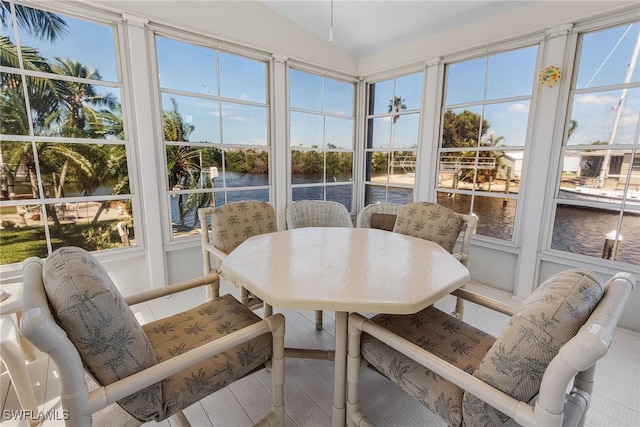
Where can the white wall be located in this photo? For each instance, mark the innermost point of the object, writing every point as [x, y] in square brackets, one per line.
[534, 18]
[248, 23]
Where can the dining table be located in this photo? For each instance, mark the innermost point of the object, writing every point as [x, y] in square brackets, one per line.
[344, 270]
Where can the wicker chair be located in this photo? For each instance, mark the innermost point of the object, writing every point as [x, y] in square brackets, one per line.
[378, 215]
[317, 213]
[439, 224]
[538, 372]
[73, 312]
[232, 224]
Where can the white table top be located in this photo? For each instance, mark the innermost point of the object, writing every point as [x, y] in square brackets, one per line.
[344, 269]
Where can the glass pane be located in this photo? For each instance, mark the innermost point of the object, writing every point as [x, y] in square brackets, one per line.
[21, 233]
[238, 196]
[608, 117]
[76, 170]
[512, 73]
[381, 94]
[92, 225]
[245, 168]
[461, 127]
[242, 78]
[307, 166]
[605, 56]
[18, 178]
[404, 131]
[338, 97]
[191, 167]
[399, 195]
[339, 167]
[190, 119]
[75, 110]
[341, 194]
[244, 124]
[582, 230]
[465, 81]
[457, 169]
[187, 67]
[403, 168]
[378, 165]
[508, 172]
[305, 90]
[506, 124]
[13, 111]
[7, 59]
[630, 237]
[600, 176]
[184, 211]
[409, 89]
[460, 203]
[374, 194]
[91, 45]
[308, 193]
[496, 216]
[306, 130]
[380, 132]
[339, 133]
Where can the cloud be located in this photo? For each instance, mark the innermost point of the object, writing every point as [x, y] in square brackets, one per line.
[597, 100]
[519, 108]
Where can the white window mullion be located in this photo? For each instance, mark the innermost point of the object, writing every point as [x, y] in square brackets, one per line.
[545, 140]
[143, 132]
[427, 163]
[280, 164]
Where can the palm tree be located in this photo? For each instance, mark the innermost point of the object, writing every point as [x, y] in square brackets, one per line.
[39, 23]
[396, 105]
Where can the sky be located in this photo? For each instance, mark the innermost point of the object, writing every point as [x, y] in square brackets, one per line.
[191, 68]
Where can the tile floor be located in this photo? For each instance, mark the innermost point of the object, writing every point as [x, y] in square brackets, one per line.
[309, 383]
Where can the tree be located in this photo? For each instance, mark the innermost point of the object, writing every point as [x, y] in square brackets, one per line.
[39, 23]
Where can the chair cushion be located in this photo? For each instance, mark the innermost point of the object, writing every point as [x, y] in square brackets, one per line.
[111, 343]
[545, 321]
[200, 325]
[234, 223]
[383, 221]
[430, 221]
[442, 335]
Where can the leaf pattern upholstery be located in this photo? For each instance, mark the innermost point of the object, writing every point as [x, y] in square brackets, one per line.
[514, 362]
[441, 334]
[429, 221]
[234, 223]
[111, 343]
[545, 321]
[182, 332]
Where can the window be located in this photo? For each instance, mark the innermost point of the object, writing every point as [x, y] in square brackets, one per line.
[64, 170]
[484, 128]
[597, 204]
[393, 127]
[321, 137]
[215, 119]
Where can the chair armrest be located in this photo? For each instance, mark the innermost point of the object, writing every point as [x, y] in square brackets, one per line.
[485, 301]
[521, 412]
[172, 289]
[216, 252]
[103, 396]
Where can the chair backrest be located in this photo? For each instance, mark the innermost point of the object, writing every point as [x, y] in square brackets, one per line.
[378, 215]
[547, 320]
[317, 213]
[73, 312]
[233, 223]
[437, 223]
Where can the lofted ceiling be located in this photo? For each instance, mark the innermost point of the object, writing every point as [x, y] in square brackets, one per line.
[366, 27]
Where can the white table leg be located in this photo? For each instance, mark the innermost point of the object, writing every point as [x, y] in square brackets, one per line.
[13, 358]
[340, 370]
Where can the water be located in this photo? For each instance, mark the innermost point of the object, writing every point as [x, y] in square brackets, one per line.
[577, 230]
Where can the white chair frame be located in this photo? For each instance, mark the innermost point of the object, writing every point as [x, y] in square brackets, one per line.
[40, 329]
[574, 365]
